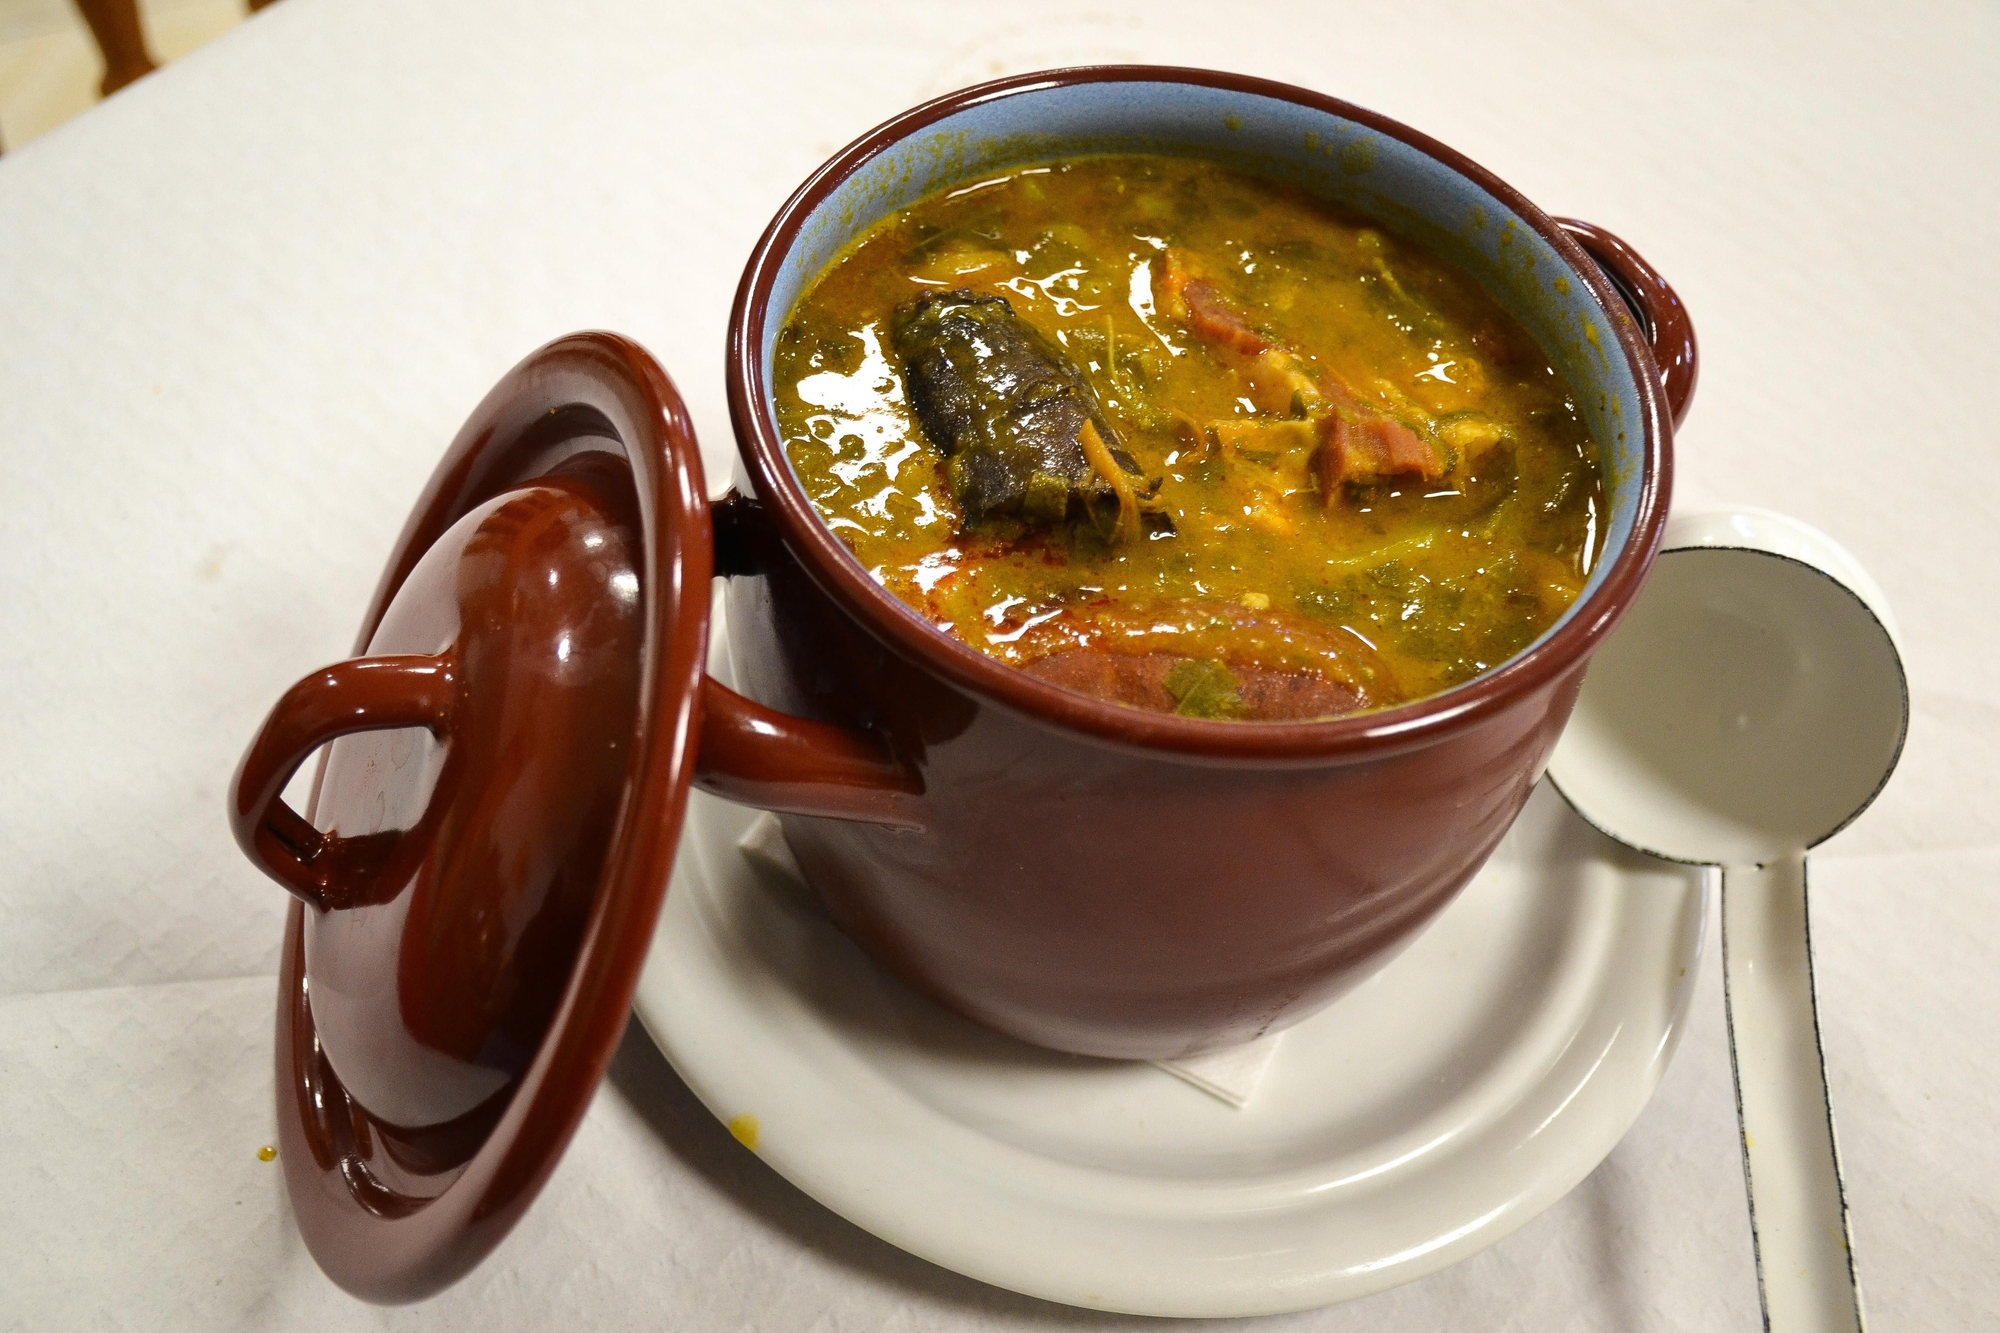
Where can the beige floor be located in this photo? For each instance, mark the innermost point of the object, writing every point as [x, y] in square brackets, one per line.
[49, 66]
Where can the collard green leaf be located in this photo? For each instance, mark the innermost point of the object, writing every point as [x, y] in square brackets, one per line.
[1006, 406]
[1204, 689]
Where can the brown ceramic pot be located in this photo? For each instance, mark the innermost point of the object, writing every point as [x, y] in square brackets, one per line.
[1106, 881]
[475, 904]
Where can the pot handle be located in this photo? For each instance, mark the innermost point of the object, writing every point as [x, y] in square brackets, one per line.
[361, 694]
[760, 757]
[757, 756]
[749, 754]
[1659, 312]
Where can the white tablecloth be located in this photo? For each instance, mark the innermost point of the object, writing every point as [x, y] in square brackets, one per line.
[245, 304]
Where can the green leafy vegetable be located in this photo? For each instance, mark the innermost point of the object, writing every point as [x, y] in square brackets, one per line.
[1204, 689]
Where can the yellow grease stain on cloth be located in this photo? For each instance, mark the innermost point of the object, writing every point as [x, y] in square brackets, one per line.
[744, 1128]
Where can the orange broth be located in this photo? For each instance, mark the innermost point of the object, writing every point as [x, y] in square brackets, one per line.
[1268, 582]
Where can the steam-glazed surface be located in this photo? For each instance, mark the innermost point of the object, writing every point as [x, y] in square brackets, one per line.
[1175, 436]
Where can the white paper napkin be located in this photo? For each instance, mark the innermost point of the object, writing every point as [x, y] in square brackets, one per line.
[1230, 1074]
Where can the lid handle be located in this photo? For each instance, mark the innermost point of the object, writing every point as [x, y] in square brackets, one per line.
[363, 694]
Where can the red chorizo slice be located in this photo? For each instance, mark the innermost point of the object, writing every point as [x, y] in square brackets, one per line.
[1369, 450]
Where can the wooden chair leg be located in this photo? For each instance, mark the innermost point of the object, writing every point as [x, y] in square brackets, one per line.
[115, 24]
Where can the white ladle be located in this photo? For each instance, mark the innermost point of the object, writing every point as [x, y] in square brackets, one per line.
[1752, 704]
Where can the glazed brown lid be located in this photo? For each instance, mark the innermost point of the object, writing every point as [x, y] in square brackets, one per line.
[500, 817]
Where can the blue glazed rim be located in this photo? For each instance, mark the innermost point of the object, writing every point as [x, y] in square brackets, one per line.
[1415, 185]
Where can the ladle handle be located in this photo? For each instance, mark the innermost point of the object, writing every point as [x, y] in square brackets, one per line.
[1798, 1205]
[1662, 317]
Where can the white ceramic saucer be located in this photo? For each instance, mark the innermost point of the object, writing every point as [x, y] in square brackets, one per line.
[1431, 1112]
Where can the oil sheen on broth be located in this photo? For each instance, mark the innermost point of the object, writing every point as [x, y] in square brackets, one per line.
[1189, 440]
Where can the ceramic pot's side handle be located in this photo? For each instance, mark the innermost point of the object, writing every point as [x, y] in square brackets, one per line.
[364, 694]
[745, 542]
[757, 756]
[1661, 315]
